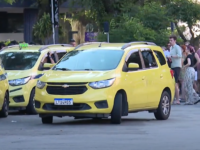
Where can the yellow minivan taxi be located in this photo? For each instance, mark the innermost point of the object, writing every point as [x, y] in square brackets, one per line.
[4, 92]
[24, 65]
[107, 79]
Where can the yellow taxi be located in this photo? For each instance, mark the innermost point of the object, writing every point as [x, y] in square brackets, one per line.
[99, 80]
[24, 65]
[4, 92]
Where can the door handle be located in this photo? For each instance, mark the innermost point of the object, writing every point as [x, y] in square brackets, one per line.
[161, 75]
[143, 78]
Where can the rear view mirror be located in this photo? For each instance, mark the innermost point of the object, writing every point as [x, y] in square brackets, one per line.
[48, 66]
[133, 66]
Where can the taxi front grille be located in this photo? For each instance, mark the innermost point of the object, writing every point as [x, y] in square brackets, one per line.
[71, 90]
[51, 106]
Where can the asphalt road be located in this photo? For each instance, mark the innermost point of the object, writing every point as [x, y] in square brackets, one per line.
[138, 131]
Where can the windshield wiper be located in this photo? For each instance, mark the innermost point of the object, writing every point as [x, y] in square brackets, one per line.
[88, 69]
[63, 69]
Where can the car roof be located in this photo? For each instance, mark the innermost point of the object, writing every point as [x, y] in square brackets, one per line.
[36, 48]
[115, 46]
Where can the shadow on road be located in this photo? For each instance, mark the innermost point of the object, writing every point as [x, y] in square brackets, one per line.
[101, 121]
[18, 113]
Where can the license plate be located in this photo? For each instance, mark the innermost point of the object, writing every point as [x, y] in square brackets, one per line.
[63, 101]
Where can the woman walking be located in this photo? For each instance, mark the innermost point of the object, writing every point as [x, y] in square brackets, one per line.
[182, 73]
[189, 78]
[196, 63]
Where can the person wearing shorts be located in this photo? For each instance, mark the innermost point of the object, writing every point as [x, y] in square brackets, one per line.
[176, 57]
[177, 71]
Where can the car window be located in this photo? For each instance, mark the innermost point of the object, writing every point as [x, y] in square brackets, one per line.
[61, 54]
[19, 60]
[135, 58]
[149, 59]
[160, 57]
[46, 59]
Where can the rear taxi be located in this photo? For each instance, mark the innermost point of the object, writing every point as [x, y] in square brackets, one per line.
[24, 65]
[106, 79]
[4, 92]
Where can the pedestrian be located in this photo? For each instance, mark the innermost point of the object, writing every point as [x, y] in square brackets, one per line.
[196, 62]
[73, 42]
[198, 71]
[189, 78]
[176, 58]
[182, 73]
[167, 55]
[2, 45]
[166, 52]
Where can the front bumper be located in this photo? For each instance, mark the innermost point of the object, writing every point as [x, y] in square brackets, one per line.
[20, 95]
[94, 102]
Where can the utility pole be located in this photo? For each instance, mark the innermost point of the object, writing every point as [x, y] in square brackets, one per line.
[52, 20]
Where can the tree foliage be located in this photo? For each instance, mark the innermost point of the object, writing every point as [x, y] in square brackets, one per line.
[42, 28]
[9, 1]
[188, 12]
[135, 19]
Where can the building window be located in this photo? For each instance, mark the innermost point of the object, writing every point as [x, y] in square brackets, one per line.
[11, 22]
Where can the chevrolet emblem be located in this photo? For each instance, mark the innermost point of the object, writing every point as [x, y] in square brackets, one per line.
[65, 86]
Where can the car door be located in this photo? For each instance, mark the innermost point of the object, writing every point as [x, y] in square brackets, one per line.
[152, 77]
[136, 82]
[164, 72]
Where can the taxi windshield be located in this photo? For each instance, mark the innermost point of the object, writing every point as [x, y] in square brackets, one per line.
[90, 60]
[19, 60]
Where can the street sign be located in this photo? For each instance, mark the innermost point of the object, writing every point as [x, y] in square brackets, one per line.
[106, 30]
[106, 26]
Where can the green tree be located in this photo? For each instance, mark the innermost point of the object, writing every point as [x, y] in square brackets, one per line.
[188, 12]
[9, 1]
[42, 29]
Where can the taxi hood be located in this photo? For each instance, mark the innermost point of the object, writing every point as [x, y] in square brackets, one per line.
[77, 76]
[18, 74]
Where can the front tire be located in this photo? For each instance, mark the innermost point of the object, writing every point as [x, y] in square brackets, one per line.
[164, 108]
[5, 108]
[116, 113]
[47, 120]
[30, 109]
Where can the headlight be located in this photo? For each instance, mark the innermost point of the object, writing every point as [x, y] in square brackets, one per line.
[102, 84]
[18, 82]
[2, 77]
[40, 84]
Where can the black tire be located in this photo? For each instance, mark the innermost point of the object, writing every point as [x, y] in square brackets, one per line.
[5, 108]
[164, 108]
[47, 120]
[116, 113]
[30, 109]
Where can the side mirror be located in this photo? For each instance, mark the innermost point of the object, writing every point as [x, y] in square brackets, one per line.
[47, 66]
[133, 66]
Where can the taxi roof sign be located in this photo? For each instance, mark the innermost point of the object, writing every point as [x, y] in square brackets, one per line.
[23, 45]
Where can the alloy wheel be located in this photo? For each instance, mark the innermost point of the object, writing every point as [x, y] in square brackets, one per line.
[165, 105]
